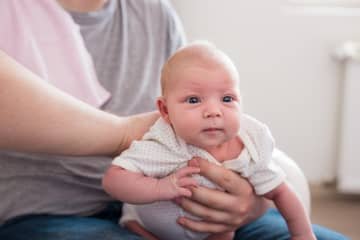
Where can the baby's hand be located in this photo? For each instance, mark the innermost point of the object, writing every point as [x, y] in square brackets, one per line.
[175, 185]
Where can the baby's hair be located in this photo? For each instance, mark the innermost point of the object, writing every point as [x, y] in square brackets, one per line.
[201, 53]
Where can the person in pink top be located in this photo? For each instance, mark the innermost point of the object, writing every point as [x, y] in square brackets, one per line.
[44, 39]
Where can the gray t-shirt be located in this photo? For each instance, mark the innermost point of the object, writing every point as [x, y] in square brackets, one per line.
[129, 41]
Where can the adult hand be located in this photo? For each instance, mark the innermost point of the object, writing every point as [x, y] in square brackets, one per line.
[133, 128]
[221, 211]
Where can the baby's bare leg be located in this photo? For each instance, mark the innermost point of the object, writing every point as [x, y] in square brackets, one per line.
[135, 227]
[221, 236]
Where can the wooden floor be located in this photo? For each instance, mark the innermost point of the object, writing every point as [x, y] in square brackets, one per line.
[339, 212]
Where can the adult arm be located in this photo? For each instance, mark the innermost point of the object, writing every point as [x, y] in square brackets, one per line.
[37, 117]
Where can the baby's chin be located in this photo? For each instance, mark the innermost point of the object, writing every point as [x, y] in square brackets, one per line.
[205, 142]
[209, 144]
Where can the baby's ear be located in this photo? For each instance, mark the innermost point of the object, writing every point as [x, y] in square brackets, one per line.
[161, 105]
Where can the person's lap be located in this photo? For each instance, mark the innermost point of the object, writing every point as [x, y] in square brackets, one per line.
[65, 228]
[272, 226]
[104, 226]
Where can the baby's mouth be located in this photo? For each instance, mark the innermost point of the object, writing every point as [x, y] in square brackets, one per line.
[212, 129]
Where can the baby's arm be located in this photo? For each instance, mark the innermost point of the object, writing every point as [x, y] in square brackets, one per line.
[135, 188]
[293, 211]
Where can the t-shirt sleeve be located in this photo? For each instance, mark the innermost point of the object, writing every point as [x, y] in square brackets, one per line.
[261, 170]
[156, 155]
[176, 37]
[131, 159]
[146, 156]
[266, 176]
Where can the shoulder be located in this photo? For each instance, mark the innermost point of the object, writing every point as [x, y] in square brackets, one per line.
[159, 8]
[161, 133]
[161, 17]
[255, 129]
[257, 138]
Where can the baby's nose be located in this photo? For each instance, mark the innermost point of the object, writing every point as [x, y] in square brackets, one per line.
[213, 112]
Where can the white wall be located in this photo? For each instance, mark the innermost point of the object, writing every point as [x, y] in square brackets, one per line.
[288, 77]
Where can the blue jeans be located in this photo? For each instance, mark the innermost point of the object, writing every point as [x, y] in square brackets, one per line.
[272, 226]
[103, 226]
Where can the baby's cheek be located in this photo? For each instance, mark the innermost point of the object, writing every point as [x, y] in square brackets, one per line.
[185, 131]
[234, 119]
[233, 130]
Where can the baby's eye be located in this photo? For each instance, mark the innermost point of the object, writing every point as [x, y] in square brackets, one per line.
[228, 99]
[193, 100]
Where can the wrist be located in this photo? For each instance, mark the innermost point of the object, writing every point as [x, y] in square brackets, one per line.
[159, 189]
[121, 139]
[166, 188]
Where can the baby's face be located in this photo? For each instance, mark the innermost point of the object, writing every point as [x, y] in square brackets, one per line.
[203, 105]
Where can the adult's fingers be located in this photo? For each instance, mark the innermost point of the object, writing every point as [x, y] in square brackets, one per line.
[225, 178]
[187, 182]
[206, 213]
[214, 198]
[202, 226]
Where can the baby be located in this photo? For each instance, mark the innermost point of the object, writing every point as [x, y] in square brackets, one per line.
[201, 117]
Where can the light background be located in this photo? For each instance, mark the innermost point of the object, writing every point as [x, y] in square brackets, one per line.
[288, 78]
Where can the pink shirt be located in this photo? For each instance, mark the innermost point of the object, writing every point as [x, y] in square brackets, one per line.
[42, 36]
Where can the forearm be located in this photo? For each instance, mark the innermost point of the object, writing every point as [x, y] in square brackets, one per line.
[130, 187]
[37, 117]
[292, 210]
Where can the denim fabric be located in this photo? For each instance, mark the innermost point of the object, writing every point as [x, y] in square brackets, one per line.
[104, 226]
[271, 226]
[101, 226]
